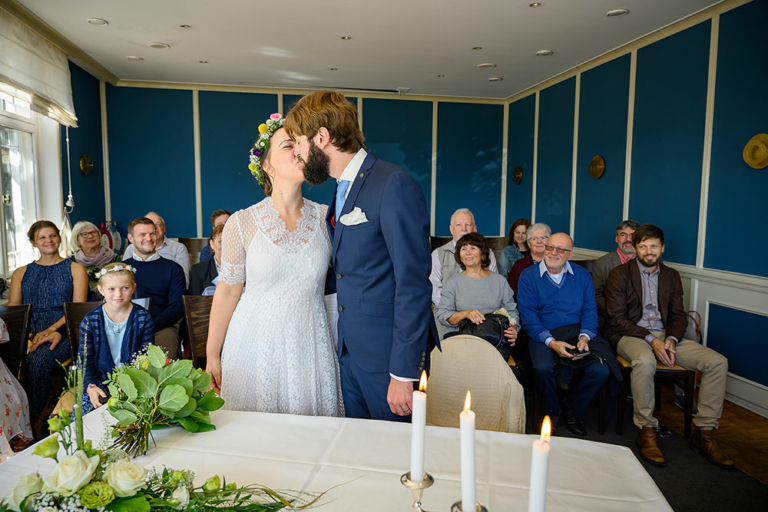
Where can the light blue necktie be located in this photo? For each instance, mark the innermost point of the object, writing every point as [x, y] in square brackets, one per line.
[341, 191]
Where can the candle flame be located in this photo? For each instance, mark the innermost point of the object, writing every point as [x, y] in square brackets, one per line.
[468, 401]
[423, 381]
[546, 430]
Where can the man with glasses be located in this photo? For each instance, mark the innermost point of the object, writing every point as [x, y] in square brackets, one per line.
[608, 262]
[646, 322]
[557, 307]
[167, 248]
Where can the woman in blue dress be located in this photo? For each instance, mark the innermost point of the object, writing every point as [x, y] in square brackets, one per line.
[46, 283]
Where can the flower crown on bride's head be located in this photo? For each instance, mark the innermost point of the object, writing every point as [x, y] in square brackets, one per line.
[260, 147]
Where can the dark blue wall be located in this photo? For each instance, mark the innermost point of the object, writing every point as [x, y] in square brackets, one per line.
[668, 138]
[88, 191]
[739, 336]
[522, 117]
[469, 149]
[229, 124]
[555, 159]
[400, 131]
[737, 193]
[152, 157]
[603, 104]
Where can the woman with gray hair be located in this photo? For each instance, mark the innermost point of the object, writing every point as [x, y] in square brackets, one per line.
[86, 249]
[538, 234]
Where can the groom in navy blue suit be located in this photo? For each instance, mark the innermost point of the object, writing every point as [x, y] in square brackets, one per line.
[379, 228]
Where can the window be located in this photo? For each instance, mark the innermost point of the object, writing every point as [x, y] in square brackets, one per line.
[14, 105]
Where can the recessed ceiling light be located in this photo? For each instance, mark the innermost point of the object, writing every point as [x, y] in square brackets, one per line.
[333, 69]
[185, 26]
[158, 45]
[476, 48]
[135, 57]
[345, 38]
[615, 13]
[486, 65]
[203, 61]
[98, 22]
[535, 4]
[495, 79]
[440, 76]
[544, 53]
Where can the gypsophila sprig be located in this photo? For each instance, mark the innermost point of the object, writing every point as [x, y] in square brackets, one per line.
[260, 147]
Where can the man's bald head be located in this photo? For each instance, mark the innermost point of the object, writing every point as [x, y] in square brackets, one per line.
[558, 251]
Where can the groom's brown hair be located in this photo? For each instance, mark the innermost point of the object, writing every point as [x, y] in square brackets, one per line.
[331, 110]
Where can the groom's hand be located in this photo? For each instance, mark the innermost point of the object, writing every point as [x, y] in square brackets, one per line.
[400, 397]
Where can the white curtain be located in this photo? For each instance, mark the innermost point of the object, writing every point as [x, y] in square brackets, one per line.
[35, 71]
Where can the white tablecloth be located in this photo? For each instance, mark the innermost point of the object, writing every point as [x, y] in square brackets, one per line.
[368, 457]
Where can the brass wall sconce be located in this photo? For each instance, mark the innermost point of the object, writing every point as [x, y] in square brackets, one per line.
[517, 175]
[597, 167]
[755, 153]
[86, 164]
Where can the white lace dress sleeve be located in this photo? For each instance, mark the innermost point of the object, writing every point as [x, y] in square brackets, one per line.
[233, 246]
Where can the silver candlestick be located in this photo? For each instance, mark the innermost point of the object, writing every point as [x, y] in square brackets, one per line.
[417, 488]
[456, 507]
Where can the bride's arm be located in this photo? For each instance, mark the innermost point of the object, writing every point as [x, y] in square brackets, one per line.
[224, 303]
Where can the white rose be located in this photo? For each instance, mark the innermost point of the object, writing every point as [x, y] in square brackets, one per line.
[125, 477]
[26, 485]
[182, 495]
[73, 472]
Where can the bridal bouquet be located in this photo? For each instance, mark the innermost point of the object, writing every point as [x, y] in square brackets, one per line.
[155, 392]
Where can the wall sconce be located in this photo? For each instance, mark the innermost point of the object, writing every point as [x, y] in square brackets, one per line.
[517, 175]
[597, 167]
[756, 151]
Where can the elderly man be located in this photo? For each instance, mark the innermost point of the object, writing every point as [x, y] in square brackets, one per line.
[444, 265]
[168, 249]
[159, 279]
[646, 323]
[608, 262]
[218, 218]
[558, 311]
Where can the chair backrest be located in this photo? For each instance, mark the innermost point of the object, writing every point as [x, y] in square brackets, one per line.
[14, 352]
[74, 312]
[468, 363]
[197, 314]
[145, 302]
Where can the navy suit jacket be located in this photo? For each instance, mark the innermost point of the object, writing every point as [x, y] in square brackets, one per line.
[381, 272]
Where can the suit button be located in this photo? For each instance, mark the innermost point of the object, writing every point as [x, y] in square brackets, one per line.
[361, 175]
[423, 353]
[338, 276]
[341, 308]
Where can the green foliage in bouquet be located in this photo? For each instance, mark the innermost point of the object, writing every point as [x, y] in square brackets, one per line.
[155, 392]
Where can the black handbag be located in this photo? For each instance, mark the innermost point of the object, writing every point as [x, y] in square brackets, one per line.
[491, 330]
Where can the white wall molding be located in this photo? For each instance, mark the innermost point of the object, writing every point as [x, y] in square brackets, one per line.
[105, 151]
[575, 153]
[630, 133]
[504, 170]
[360, 112]
[748, 394]
[535, 157]
[433, 188]
[198, 163]
[280, 105]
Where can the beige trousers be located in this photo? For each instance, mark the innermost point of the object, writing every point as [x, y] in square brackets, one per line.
[168, 340]
[690, 355]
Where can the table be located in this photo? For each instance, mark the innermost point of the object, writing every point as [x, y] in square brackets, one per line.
[368, 457]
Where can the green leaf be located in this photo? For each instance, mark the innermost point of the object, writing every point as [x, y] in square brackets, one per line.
[205, 427]
[212, 404]
[188, 425]
[145, 384]
[126, 384]
[113, 391]
[169, 414]
[136, 503]
[202, 382]
[124, 417]
[200, 416]
[173, 371]
[188, 409]
[156, 356]
[154, 372]
[173, 398]
[209, 395]
[185, 382]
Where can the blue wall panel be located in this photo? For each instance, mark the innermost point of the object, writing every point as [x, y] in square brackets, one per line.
[229, 125]
[522, 116]
[469, 149]
[668, 138]
[152, 157]
[88, 191]
[739, 336]
[602, 131]
[736, 191]
[555, 159]
[400, 131]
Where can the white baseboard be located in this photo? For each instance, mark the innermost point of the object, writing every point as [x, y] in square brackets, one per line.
[747, 394]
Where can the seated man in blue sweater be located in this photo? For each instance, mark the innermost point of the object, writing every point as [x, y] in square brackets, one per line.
[558, 311]
[160, 280]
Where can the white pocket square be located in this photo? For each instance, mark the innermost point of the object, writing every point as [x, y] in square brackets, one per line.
[353, 218]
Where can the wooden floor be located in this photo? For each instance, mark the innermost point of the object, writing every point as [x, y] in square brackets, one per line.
[743, 435]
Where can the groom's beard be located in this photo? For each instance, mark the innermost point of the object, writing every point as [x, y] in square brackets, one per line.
[317, 166]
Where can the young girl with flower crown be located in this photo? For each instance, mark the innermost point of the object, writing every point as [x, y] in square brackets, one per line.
[113, 333]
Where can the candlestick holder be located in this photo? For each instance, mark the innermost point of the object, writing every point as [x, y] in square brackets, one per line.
[417, 488]
[456, 507]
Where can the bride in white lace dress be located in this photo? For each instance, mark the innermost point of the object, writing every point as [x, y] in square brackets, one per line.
[270, 350]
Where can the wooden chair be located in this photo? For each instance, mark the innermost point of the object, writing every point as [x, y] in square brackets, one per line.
[662, 372]
[14, 352]
[74, 312]
[197, 313]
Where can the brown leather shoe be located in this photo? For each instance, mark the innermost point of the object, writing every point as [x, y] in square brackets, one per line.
[649, 448]
[703, 442]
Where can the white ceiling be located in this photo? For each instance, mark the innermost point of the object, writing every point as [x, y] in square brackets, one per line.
[395, 43]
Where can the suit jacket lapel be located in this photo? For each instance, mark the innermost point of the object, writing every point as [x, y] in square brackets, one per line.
[329, 220]
[637, 284]
[663, 293]
[354, 190]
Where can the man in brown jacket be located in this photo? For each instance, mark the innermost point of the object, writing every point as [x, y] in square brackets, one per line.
[646, 322]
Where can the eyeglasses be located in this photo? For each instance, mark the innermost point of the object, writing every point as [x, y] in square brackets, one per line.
[89, 234]
[539, 239]
[559, 250]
